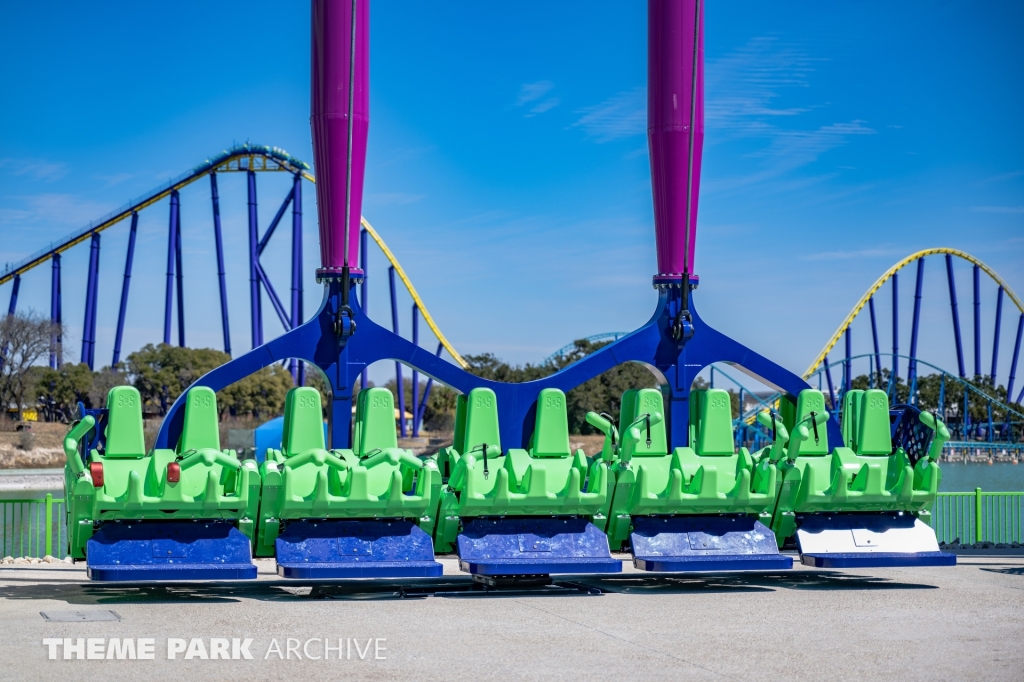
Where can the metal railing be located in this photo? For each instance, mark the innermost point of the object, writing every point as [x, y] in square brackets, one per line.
[33, 528]
[979, 517]
[37, 527]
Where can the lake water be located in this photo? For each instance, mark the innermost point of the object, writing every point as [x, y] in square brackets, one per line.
[1000, 477]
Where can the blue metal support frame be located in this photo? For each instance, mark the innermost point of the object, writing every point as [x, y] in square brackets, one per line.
[956, 316]
[848, 366]
[298, 369]
[56, 342]
[977, 321]
[355, 548]
[342, 360]
[171, 250]
[874, 339]
[705, 543]
[255, 302]
[221, 278]
[273, 223]
[426, 389]
[122, 309]
[399, 383]
[179, 276]
[415, 374]
[995, 335]
[831, 388]
[178, 550]
[895, 330]
[12, 305]
[1016, 356]
[912, 363]
[275, 300]
[91, 301]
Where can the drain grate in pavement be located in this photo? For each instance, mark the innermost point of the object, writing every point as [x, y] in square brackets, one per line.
[78, 616]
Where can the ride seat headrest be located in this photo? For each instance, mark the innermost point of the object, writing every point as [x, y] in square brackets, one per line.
[551, 427]
[303, 421]
[125, 436]
[201, 429]
[874, 436]
[714, 430]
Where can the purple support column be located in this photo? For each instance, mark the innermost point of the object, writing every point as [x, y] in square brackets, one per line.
[956, 315]
[363, 293]
[255, 304]
[912, 363]
[340, 122]
[995, 336]
[298, 369]
[92, 284]
[400, 385]
[179, 275]
[123, 308]
[874, 339]
[1013, 363]
[172, 240]
[221, 279]
[977, 321]
[895, 329]
[56, 352]
[415, 374]
[675, 114]
[675, 126]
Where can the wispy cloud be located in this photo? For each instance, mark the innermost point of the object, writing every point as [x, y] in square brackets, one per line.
[63, 210]
[746, 89]
[619, 116]
[998, 209]
[853, 253]
[1000, 178]
[115, 179]
[537, 93]
[395, 198]
[35, 169]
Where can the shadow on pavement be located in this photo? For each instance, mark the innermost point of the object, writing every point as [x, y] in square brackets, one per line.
[451, 587]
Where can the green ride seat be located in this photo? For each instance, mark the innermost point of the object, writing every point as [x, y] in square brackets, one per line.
[373, 480]
[136, 485]
[710, 477]
[546, 479]
[865, 475]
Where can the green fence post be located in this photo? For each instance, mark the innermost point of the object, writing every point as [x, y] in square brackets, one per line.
[49, 524]
[978, 527]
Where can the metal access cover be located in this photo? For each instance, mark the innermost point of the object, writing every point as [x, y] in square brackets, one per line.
[881, 532]
[78, 616]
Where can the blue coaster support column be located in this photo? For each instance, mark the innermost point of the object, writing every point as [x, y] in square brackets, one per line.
[123, 307]
[956, 316]
[221, 278]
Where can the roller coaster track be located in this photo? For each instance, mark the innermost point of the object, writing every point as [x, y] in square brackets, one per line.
[887, 275]
[242, 158]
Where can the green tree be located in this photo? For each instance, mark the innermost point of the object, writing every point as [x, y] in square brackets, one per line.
[60, 390]
[162, 372]
[260, 395]
[25, 339]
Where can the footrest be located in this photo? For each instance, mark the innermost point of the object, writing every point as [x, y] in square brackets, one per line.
[355, 549]
[534, 546]
[673, 544]
[878, 540]
[169, 550]
[878, 559]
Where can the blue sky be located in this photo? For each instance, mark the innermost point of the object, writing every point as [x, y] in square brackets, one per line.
[508, 168]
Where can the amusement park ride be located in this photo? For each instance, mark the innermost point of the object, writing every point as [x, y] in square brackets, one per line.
[509, 496]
